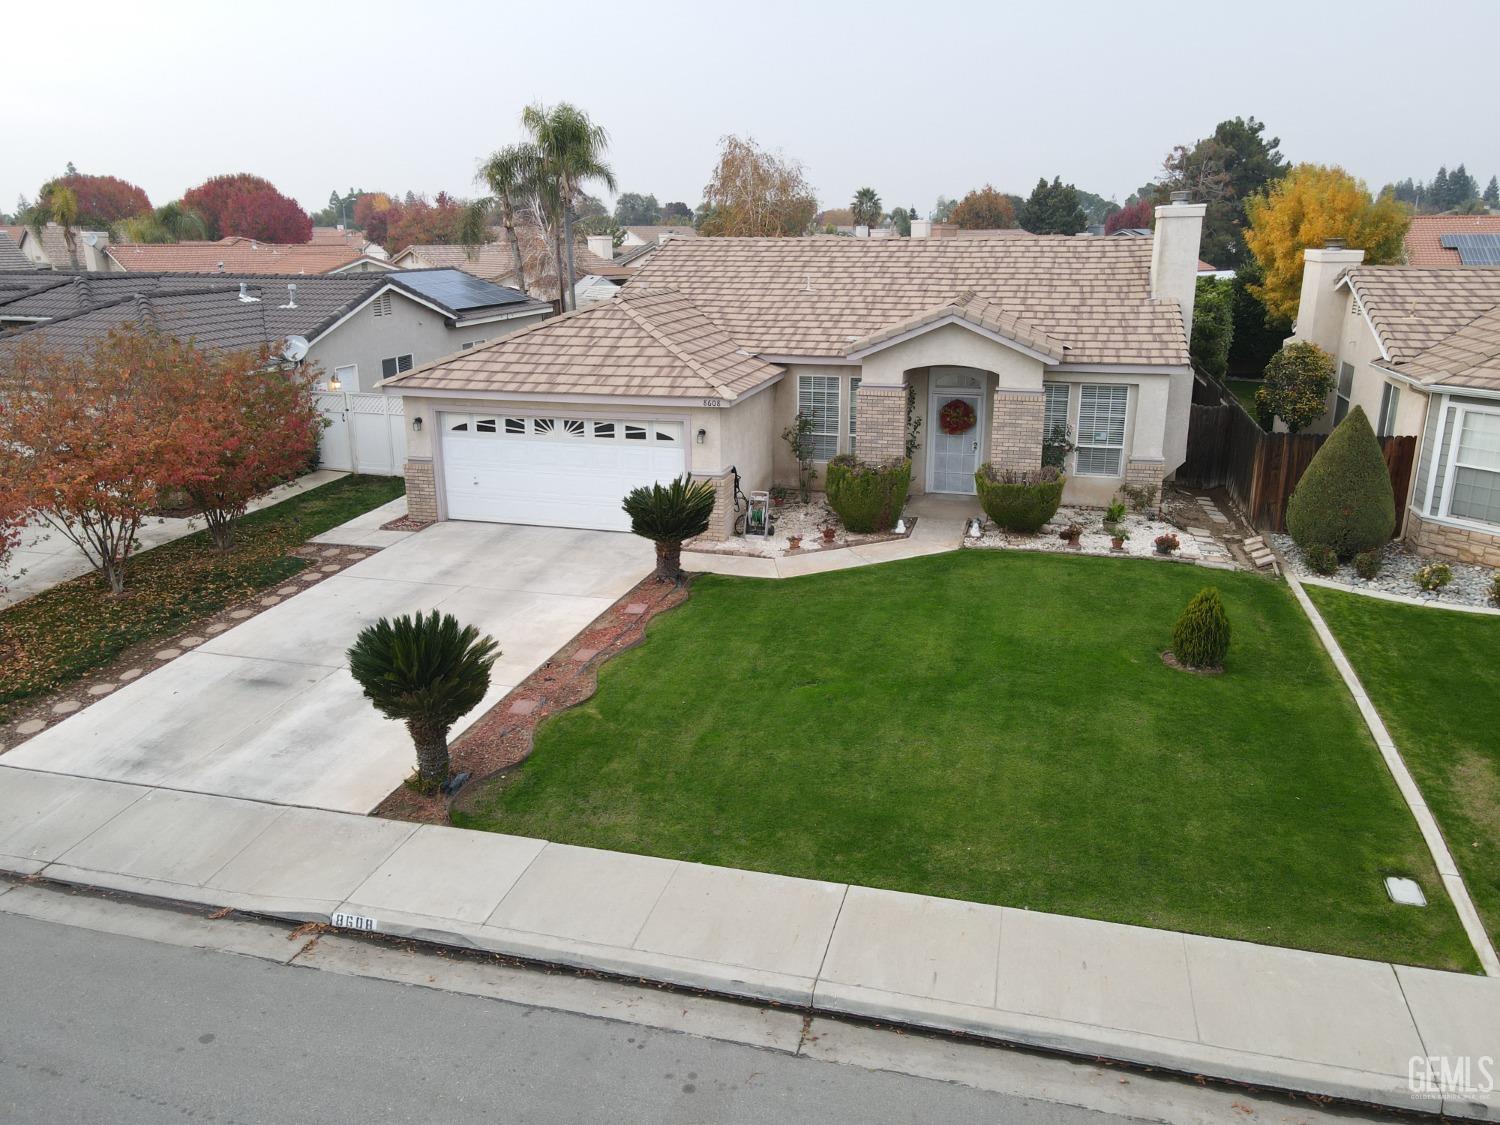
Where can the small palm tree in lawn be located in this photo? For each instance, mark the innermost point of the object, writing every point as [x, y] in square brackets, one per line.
[668, 514]
[427, 671]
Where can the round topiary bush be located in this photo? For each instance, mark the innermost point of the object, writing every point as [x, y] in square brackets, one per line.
[1367, 564]
[867, 497]
[1344, 499]
[1201, 637]
[1322, 559]
[1019, 501]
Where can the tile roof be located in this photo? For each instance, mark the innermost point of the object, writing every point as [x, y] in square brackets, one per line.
[1424, 246]
[1439, 326]
[646, 343]
[237, 255]
[494, 261]
[1469, 357]
[654, 233]
[969, 307]
[215, 318]
[11, 257]
[815, 296]
[54, 243]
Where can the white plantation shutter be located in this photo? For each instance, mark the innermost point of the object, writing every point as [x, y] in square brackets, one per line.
[1056, 412]
[1101, 429]
[818, 398]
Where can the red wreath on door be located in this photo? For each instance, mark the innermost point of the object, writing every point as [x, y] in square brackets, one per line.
[957, 417]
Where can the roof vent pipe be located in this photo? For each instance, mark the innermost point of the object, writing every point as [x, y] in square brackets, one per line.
[291, 295]
[1333, 244]
[1178, 197]
[221, 267]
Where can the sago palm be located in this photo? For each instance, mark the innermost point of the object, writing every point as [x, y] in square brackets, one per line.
[428, 672]
[668, 514]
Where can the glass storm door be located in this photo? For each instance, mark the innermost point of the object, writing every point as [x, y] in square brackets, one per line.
[955, 457]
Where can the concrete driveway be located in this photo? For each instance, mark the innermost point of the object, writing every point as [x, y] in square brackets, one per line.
[268, 711]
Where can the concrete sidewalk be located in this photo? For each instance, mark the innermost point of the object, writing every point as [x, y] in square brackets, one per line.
[1273, 1017]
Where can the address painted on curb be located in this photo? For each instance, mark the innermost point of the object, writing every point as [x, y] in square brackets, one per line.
[355, 922]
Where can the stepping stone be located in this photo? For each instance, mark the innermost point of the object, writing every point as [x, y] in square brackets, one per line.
[309, 576]
[635, 609]
[101, 689]
[269, 602]
[190, 642]
[1198, 531]
[168, 654]
[356, 558]
[241, 614]
[521, 707]
[130, 674]
[66, 707]
[31, 726]
[330, 552]
[584, 655]
[286, 591]
[216, 628]
[331, 568]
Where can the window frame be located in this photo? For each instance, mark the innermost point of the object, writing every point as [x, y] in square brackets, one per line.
[854, 382]
[1343, 392]
[824, 438]
[1079, 442]
[1051, 389]
[396, 360]
[1454, 442]
[1390, 400]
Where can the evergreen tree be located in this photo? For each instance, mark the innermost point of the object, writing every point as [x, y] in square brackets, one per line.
[1491, 195]
[1437, 193]
[1462, 187]
[1053, 209]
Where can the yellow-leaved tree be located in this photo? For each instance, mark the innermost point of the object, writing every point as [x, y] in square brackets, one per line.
[1307, 207]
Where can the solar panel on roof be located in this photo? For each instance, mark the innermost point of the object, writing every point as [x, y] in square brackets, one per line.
[459, 290]
[1474, 249]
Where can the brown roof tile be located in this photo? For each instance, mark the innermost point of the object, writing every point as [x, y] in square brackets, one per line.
[1413, 309]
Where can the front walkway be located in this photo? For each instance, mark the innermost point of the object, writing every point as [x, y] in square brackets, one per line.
[46, 557]
[1232, 1010]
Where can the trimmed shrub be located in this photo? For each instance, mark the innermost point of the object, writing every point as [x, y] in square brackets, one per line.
[1213, 325]
[1296, 385]
[1433, 576]
[1367, 564]
[1019, 501]
[1344, 499]
[1495, 589]
[1201, 637]
[1321, 559]
[867, 497]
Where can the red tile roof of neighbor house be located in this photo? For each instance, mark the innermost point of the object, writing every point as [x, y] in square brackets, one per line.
[1424, 237]
[236, 255]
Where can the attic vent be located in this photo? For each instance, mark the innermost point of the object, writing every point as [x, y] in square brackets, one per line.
[1358, 308]
[382, 305]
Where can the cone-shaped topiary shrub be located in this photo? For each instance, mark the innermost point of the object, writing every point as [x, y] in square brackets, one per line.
[1019, 501]
[867, 497]
[1344, 498]
[1201, 637]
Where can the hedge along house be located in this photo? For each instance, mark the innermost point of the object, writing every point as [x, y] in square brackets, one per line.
[1419, 350]
[716, 344]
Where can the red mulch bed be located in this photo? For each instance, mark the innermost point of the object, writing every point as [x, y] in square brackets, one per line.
[406, 523]
[500, 738]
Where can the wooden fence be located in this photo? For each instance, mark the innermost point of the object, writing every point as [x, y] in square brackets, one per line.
[1227, 448]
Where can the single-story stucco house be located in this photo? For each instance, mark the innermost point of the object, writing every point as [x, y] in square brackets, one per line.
[714, 345]
[1419, 350]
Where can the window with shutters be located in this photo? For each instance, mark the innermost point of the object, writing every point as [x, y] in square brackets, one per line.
[818, 399]
[1100, 450]
[395, 365]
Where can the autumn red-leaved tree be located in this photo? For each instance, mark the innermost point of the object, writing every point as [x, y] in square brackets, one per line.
[420, 223]
[246, 424]
[12, 524]
[85, 437]
[102, 200]
[1140, 215]
[984, 209]
[249, 206]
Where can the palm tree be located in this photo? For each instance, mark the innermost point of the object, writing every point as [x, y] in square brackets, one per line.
[427, 672]
[511, 175]
[571, 151]
[668, 515]
[866, 208]
[58, 204]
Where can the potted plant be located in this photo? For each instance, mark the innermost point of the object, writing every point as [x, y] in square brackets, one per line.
[1072, 534]
[779, 493]
[1114, 513]
[794, 542]
[1117, 537]
[829, 531]
[1166, 543]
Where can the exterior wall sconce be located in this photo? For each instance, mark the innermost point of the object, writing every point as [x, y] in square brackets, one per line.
[701, 435]
[335, 385]
[416, 423]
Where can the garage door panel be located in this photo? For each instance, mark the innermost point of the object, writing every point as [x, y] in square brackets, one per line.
[557, 475]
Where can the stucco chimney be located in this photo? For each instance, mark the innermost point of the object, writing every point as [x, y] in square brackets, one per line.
[602, 246]
[921, 228]
[861, 231]
[1174, 253]
[1320, 309]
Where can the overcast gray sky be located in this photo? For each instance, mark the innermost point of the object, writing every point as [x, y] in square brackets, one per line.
[914, 100]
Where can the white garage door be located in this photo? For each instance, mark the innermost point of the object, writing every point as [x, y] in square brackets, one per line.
[557, 472]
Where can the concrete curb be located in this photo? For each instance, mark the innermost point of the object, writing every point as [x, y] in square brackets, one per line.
[1396, 599]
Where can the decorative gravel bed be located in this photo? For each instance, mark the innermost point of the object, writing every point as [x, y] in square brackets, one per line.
[789, 520]
[1095, 540]
[1471, 585]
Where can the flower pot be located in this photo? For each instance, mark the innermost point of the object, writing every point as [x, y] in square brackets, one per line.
[1117, 544]
[1073, 541]
[794, 542]
[828, 534]
[1164, 550]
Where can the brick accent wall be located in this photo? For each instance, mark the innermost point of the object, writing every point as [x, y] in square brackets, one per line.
[882, 423]
[721, 521]
[1147, 474]
[421, 489]
[1457, 543]
[1016, 422]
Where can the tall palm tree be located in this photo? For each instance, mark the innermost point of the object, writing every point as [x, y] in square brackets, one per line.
[511, 175]
[428, 672]
[58, 204]
[866, 208]
[667, 516]
[571, 151]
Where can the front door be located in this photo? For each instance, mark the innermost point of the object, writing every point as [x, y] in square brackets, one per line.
[953, 445]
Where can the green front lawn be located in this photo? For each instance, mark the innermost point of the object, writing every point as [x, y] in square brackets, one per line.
[68, 631]
[1434, 676]
[998, 728]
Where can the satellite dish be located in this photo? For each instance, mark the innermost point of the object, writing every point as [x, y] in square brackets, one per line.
[295, 349]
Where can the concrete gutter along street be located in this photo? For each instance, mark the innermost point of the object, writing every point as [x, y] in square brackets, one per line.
[1259, 1015]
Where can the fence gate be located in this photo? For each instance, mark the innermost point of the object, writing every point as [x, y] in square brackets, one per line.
[366, 433]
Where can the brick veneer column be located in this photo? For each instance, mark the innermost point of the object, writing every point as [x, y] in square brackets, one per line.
[721, 520]
[881, 415]
[1146, 474]
[421, 489]
[1457, 543]
[1016, 423]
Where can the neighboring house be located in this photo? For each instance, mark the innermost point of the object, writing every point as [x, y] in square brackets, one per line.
[239, 255]
[1453, 240]
[11, 257]
[1419, 350]
[350, 240]
[50, 248]
[359, 328]
[647, 236]
[714, 346]
[495, 261]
